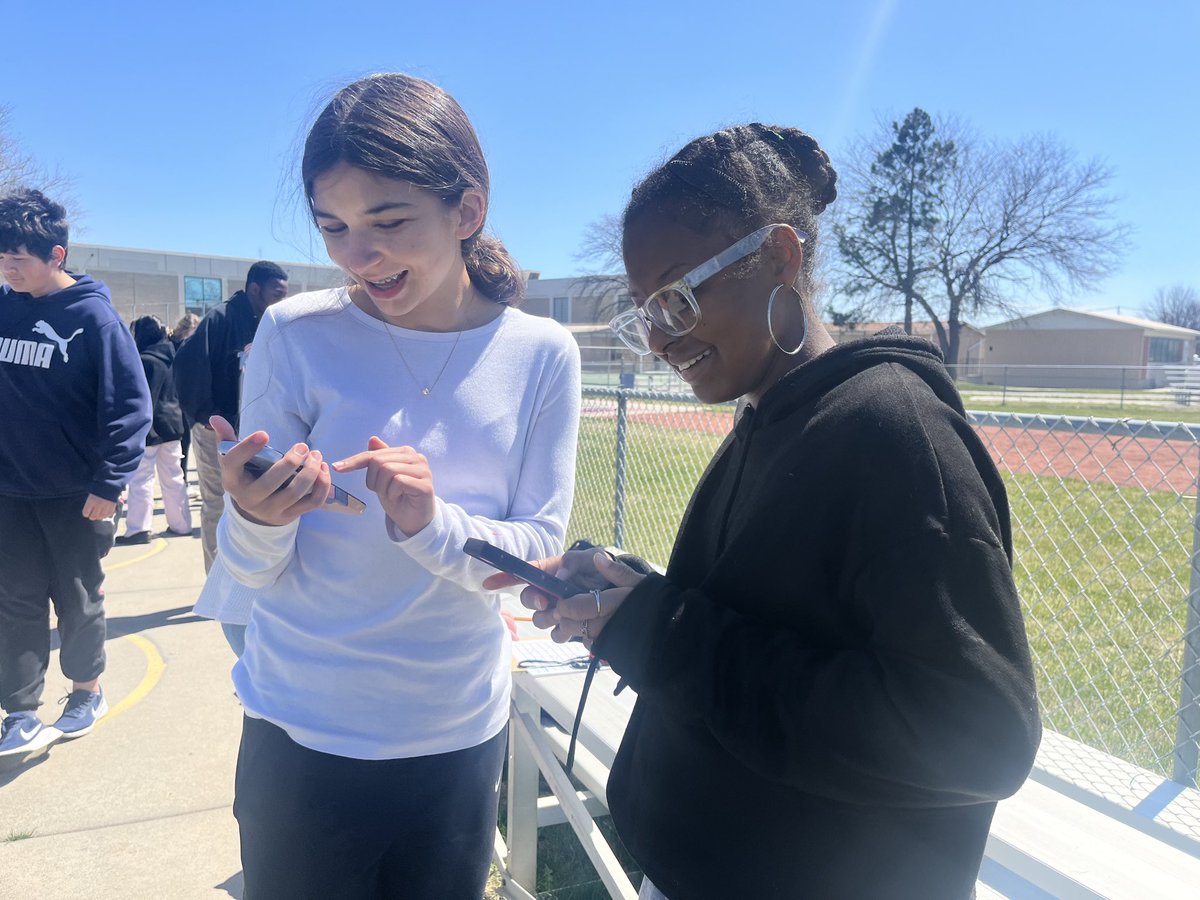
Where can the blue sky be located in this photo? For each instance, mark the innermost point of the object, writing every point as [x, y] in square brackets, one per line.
[180, 123]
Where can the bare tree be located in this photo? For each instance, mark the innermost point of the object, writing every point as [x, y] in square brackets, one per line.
[1178, 304]
[1007, 218]
[880, 234]
[18, 169]
[604, 276]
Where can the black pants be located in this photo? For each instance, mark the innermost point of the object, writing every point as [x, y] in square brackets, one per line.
[317, 826]
[185, 444]
[49, 553]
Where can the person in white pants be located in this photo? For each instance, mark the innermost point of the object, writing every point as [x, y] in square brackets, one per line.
[166, 461]
[164, 450]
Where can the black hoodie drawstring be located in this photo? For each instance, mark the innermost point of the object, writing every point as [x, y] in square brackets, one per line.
[593, 665]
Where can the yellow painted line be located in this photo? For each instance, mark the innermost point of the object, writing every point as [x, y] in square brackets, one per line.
[154, 669]
[159, 545]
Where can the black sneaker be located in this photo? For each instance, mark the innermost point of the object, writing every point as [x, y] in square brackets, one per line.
[138, 537]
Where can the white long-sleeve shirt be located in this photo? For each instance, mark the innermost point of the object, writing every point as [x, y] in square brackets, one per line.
[364, 643]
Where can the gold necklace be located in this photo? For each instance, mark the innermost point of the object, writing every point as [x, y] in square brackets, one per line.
[427, 389]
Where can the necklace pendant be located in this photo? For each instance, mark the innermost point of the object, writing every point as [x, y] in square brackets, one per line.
[425, 392]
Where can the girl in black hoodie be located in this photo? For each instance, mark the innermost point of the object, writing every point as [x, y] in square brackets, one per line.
[834, 683]
[164, 452]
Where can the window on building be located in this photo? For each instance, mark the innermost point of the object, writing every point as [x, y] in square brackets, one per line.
[199, 294]
[1166, 350]
[560, 309]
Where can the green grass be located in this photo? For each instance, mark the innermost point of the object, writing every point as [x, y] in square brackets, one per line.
[14, 836]
[1102, 403]
[1103, 572]
[563, 870]
[663, 465]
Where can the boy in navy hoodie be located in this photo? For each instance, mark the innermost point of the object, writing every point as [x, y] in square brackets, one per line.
[75, 409]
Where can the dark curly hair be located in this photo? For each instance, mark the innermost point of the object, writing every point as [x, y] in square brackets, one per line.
[30, 219]
[409, 129]
[740, 179]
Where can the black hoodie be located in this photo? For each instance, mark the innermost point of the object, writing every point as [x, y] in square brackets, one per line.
[208, 366]
[834, 683]
[167, 424]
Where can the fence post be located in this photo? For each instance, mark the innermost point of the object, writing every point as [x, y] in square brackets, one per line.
[619, 492]
[1187, 732]
[1004, 390]
[1122, 387]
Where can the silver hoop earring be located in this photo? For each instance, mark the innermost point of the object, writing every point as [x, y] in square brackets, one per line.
[803, 314]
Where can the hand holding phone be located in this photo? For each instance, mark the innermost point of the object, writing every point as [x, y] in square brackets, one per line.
[519, 568]
[339, 500]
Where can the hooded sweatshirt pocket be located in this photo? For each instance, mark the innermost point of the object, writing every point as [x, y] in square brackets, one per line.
[40, 460]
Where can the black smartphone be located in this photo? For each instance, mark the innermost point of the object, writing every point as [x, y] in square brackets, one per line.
[339, 500]
[513, 565]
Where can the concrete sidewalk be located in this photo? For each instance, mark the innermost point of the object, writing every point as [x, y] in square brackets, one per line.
[142, 807]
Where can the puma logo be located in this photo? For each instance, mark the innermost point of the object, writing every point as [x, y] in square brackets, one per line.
[43, 328]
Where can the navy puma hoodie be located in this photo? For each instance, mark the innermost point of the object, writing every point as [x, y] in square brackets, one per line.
[74, 406]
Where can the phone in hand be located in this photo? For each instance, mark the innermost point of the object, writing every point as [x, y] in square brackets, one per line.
[513, 565]
[339, 500]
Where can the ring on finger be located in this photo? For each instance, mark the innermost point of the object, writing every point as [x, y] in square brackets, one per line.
[596, 594]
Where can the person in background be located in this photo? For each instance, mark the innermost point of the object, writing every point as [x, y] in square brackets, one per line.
[163, 450]
[75, 411]
[208, 376]
[376, 674]
[184, 329]
[834, 686]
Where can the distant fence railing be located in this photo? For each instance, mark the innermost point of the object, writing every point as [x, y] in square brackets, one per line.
[1151, 386]
[1096, 377]
[1107, 547]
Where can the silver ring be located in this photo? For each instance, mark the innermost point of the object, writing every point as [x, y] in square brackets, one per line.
[584, 630]
[596, 594]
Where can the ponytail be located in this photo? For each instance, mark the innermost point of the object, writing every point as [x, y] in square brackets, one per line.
[493, 272]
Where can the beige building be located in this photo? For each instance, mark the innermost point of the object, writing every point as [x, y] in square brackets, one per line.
[586, 300]
[585, 304]
[167, 284]
[1071, 347]
[970, 338]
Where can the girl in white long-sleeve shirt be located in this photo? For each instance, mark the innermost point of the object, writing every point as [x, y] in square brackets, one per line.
[375, 679]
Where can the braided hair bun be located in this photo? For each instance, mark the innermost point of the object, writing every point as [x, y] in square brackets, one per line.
[740, 179]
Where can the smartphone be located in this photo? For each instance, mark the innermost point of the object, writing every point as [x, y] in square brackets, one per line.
[513, 565]
[338, 500]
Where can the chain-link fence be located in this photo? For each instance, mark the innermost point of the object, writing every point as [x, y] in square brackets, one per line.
[1106, 535]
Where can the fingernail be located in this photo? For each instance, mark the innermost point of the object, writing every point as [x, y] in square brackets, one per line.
[316, 454]
[301, 448]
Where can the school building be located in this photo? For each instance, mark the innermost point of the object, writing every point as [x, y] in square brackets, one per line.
[168, 284]
[1088, 349]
